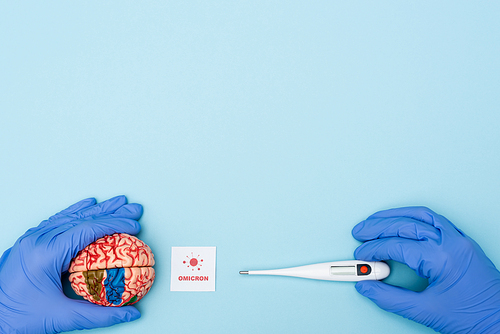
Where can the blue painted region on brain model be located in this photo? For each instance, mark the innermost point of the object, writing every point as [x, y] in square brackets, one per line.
[114, 285]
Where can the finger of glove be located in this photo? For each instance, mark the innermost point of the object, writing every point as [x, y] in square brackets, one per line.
[79, 236]
[420, 213]
[110, 225]
[403, 227]
[4, 257]
[409, 252]
[84, 315]
[107, 207]
[130, 211]
[81, 205]
[393, 299]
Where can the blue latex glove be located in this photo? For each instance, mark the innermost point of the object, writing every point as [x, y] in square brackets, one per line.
[31, 294]
[463, 295]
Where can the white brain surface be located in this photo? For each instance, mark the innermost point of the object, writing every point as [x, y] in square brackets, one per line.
[115, 270]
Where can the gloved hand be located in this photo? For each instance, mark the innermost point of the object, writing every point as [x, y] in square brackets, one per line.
[31, 294]
[463, 295]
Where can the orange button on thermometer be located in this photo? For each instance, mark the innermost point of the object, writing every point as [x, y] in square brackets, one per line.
[347, 271]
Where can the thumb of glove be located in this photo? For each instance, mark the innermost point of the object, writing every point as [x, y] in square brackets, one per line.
[391, 298]
[87, 316]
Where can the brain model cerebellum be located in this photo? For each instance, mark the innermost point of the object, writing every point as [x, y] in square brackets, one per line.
[115, 270]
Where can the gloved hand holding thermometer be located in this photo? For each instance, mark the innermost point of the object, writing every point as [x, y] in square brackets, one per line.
[463, 295]
[31, 296]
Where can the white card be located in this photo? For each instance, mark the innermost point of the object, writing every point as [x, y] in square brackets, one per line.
[193, 269]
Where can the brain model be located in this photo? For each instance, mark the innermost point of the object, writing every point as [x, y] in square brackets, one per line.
[116, 270]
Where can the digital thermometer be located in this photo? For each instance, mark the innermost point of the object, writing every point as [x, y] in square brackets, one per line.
[347, 271]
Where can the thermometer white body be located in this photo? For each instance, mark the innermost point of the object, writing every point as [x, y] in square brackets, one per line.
[347, 271]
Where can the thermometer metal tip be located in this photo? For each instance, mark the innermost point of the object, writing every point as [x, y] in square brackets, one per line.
[243, 272]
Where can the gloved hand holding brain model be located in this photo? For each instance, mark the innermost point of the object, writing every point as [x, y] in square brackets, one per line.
[31, 294]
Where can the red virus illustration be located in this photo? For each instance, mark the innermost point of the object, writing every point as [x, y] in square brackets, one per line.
[193, 262]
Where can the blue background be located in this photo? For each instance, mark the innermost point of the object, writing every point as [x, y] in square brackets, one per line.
[267, 129]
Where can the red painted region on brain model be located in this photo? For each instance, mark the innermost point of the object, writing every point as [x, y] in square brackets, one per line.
[119, 250]
[88, 272]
